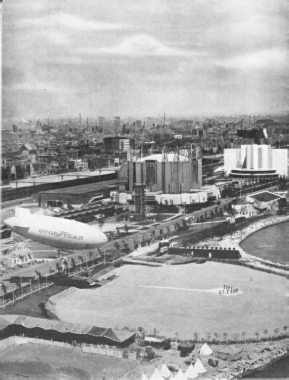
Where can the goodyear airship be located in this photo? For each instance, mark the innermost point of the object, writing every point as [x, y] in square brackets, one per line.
[57, 232]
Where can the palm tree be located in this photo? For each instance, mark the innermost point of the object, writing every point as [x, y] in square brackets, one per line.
[208, 336]
[155, 332]
[225, 335]
[265, 332]
[256, 333]
[196, 336]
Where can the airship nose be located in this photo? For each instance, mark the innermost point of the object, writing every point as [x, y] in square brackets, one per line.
[10, 222]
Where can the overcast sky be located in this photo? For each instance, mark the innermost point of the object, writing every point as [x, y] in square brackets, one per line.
[142, 58]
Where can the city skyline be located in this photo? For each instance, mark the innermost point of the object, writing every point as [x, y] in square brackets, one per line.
[123, 58]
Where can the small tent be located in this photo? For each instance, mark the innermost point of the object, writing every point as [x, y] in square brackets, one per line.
[199, 367]
[180, 375]
[165, 372]
[191, 373]
[156, 375]
[205, 350]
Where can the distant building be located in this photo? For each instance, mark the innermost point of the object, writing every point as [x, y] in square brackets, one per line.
[101, 123]
[116, 123]
[116, 144]
[169, 173]
[258, 161]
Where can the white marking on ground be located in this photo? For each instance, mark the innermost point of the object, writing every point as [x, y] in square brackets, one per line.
[214, 291]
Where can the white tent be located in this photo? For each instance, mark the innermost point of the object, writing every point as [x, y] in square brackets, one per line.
[205, 350]
[156, 375]
[144, 377]
[180, 375]
[199, 366]
[165, 372]
[191, 373]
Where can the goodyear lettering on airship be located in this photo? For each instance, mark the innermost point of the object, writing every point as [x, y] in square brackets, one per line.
[60, 234]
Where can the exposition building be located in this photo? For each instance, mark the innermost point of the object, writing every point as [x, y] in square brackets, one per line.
[177, 172]
[260, 162]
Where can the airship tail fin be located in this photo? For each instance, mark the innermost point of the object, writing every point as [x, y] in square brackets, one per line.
[19, 211]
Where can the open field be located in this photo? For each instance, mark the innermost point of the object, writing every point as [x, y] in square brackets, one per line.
[45, 363]
[176, 299]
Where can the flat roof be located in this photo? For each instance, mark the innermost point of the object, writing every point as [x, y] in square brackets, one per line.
[265, 196]
[82, 189]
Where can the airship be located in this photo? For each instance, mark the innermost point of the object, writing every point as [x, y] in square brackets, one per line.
[57, 232]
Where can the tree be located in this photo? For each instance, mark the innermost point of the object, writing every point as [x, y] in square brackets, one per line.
[73, 264]
[276, 331]
[265, 332]
[58, 266]
[285, 330]
[155, 332]
[217, 336]
[208, 336]
[225, 335]
[235, 337]
[196, 337]
[256, 333]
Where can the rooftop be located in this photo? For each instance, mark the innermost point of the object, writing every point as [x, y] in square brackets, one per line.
[84, 189]
[264, 196]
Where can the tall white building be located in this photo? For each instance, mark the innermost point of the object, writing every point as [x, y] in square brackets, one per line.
[260, 161]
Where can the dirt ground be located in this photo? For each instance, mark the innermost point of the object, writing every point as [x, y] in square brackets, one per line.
[37, 362]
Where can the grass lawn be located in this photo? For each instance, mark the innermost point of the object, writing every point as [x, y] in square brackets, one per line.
[43, 362]
[29, 306]
[181, 304]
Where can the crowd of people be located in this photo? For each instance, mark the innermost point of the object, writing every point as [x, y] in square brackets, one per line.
[228, 289]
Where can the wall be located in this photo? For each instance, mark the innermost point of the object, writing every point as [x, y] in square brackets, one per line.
[215, 252]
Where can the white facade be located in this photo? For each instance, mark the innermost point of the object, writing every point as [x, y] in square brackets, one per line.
[256, 157]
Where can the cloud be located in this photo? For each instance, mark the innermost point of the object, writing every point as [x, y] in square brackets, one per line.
[264, 59]
[77, 23]
[140, 45]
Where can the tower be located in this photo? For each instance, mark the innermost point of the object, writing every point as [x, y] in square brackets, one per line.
[139, 199]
